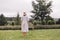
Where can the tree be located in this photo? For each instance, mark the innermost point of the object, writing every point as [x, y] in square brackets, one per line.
[58, 22]
[3, 20]
[18, 19]
[41, 9]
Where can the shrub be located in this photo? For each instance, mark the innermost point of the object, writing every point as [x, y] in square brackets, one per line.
[12, 23]
[35, 22]
[50, 22]
[58, 22]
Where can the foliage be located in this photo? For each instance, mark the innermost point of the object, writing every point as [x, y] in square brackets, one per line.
[3, 20]
[49, 20]
[18, 19]
[41, 9]
[31, 20]
[58, 22]
[12, 24]
[34, 22]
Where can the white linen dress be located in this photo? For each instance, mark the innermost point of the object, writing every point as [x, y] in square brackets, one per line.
[24, 24]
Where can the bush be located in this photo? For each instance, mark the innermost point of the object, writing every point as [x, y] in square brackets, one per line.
[50, 22]
[43, 22]
[35, 22]
[58, 22]
[12, 23]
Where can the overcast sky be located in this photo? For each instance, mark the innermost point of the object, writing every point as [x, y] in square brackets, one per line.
[10, 8]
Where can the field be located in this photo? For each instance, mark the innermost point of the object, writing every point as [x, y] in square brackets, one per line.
[42, 34]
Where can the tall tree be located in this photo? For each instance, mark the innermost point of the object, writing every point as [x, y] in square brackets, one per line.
[3, 20]
[41, 9]
[18, 19]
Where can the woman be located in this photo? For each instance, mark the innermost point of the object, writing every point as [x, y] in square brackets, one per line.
[24, 24]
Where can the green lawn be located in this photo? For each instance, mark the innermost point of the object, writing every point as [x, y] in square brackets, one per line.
[43, 34]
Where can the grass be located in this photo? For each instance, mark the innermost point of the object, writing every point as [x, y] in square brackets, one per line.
[43, 34]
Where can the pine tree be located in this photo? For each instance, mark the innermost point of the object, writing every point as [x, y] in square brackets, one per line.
[18, 19]
[3, 20]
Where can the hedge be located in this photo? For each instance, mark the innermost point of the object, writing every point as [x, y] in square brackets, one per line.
[35, 27]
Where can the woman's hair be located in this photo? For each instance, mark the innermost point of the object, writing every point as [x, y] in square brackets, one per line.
[24, 13]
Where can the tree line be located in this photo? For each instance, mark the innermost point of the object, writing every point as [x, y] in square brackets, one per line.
[41, 10]
[9, 20]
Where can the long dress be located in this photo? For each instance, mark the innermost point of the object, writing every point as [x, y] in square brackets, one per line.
[24, 24]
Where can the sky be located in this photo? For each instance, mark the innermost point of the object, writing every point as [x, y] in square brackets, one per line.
[10, 8]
